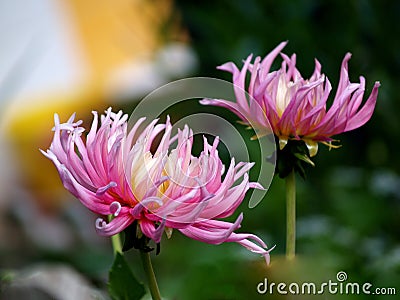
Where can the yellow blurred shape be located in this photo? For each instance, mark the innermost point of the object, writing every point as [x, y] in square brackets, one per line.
[113, 31]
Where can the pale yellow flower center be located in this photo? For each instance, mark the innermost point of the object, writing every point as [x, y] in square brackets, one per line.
[144, 172]
[283, 94]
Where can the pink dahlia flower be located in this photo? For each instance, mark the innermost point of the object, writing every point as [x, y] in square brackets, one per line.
[296, 107]
[119, 172]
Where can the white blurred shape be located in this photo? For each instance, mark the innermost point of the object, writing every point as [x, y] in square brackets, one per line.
[140, 77]
[385, 183]
[51, 282]
[176, 60]
[38, 51]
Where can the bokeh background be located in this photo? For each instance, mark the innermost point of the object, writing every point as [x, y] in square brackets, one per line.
[77, 56]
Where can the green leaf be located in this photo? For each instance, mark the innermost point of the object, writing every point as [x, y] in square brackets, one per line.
[122, 284]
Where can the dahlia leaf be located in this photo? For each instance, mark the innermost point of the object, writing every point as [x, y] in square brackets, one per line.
[122, 283]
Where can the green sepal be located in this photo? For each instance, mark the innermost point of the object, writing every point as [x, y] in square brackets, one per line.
[133, 238]
[129, 237]
[304, 158]
[294, 155]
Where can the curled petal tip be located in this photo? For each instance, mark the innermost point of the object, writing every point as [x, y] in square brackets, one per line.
[102, 190]
[267, 256]
[205, 101]
[100, 223]
[115, 208]
[256, 185]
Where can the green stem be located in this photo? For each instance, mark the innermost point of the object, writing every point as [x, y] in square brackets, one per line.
[115, 240]
[151, 277]
[290, 215]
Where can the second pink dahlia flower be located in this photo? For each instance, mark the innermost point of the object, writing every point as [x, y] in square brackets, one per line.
[126, 174]
[296, 107]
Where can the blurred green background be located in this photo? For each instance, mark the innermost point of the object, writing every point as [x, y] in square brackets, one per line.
[348, 208]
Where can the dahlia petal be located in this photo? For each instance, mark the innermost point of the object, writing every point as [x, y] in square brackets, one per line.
[329, 124]
[159, 231]
[344, 76]
[217, 232]
[149, 229]
[226, 201]
[77, 168]
[102, 190]
[165, 140]
[259, 120]
[154, 188]
[212, 231]
[226, 104]
[239, 85]
[356, 99]
[317, 71]
[93, 130]
[172, 204]
[291, 64]
[242, 168]
[131, 135]
[256, 185]
[256, 248]
[89, 167]
[363, 115]
[136, 211]
[269, 59]
[290, 113]
[239, 81]
[87, 197]
[189, 213]
[115, 226]
[254, 73]
[115, 208]
[229, 67]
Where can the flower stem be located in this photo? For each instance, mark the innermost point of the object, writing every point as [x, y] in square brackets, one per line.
[151, 277]
[115, 240]
[116, 243]
[290, 215]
